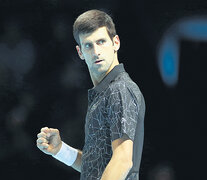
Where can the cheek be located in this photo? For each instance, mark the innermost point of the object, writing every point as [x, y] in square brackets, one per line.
[88, 59]
[86, 55]
[110, 52]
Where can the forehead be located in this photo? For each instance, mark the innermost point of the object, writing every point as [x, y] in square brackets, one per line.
[97, 34]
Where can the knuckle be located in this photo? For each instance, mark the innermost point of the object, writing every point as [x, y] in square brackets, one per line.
[38, 145]
[43, 129]
[38, 135]
[38, 141]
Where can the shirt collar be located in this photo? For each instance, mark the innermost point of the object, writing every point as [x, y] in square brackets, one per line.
[109, 78]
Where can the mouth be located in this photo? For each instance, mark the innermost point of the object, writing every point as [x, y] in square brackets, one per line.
[98, 61]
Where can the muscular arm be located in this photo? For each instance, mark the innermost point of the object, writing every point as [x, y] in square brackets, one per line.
[121, 161]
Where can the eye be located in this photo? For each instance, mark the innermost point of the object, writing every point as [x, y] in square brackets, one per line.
[88, 45]
[102, 41]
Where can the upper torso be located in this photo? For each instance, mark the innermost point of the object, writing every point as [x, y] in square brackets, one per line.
[105, 108]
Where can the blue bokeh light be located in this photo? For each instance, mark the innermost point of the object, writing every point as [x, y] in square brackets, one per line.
[195, 29]
[168, 61]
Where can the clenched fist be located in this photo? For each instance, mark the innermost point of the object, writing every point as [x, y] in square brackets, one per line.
[49, 141]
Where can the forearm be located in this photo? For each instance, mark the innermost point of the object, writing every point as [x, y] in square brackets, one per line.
[116, 170]
[77, 164]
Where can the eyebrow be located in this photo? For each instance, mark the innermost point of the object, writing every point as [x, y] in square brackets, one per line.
[101, 39]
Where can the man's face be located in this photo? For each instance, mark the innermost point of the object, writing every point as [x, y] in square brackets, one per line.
[98, 50]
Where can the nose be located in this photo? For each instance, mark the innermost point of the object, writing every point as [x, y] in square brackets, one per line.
[96, 50]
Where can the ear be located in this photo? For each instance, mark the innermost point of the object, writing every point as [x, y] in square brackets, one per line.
[116, 41]
[79, 52]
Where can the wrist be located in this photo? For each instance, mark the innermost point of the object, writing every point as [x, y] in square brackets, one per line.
[57, 149]
[66, 154]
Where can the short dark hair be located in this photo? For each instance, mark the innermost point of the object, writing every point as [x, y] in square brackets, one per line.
[90, 21]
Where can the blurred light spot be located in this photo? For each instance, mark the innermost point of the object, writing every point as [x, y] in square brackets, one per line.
[194, 28]
[168, 62]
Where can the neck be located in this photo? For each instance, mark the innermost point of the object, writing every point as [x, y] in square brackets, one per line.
[96, 80]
